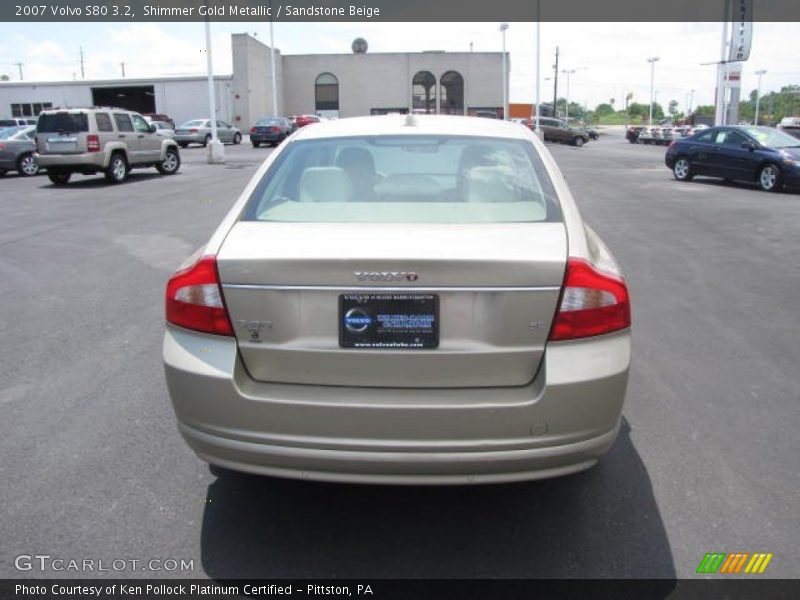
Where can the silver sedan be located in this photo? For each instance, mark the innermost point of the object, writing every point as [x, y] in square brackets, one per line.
[17, 151]
[401, 299]
[198, 131]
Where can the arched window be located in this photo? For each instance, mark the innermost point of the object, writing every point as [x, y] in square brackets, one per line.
[452, 93]
[326, 92]
[423, 92]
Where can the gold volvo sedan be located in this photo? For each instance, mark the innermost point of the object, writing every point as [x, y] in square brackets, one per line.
[401, 300]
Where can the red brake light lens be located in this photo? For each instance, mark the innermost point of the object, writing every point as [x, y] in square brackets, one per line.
[194, 299]
[193, 130]
[92, 143]
[593, 303]
[252, 130]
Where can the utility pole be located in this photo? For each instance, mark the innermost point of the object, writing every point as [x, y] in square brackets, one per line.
[691, 101]
[538, 106]
[83, 75]
[122, 64]
[555, 85]
[20, 65]
[652, 60]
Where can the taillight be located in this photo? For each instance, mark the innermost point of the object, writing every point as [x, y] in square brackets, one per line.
[2, 146]
[194, 299]
[92, 143]
[274, 129]
[672, 143]
[252, 130]
[593, 302]
[193, 130]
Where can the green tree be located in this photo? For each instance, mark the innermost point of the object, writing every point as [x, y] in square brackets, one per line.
[604, 109]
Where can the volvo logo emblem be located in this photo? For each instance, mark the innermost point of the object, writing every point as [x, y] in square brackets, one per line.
[385, 275]
[357, 320]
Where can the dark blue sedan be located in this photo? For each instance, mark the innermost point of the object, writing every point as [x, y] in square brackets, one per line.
[761, 155]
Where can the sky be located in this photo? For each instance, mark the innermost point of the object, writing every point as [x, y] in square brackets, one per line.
[610, 59]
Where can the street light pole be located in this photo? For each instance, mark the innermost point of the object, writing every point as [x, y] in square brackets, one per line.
[503, 28]
[566, 107]
[652, 60]
[216, 151]
[537, 130]
[758, 93]
[272, 67]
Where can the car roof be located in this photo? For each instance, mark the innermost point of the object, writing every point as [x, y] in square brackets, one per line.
[412, 125]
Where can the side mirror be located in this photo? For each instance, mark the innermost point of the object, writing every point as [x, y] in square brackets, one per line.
[153, 128]
[748, 145]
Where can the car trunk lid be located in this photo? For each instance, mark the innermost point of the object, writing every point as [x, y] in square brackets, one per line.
[496, 286]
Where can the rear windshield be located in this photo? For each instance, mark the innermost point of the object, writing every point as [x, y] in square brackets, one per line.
[7, 133]
[195, 123]
[62, 122]
[7, 123]
[406, 179]
[263, 122]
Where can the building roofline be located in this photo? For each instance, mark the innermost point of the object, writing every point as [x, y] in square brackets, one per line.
[421, 53]
[115, 82]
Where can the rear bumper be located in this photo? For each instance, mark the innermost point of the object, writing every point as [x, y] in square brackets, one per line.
[561, 423]
[91, 160]
[195, 138]
[265, 137]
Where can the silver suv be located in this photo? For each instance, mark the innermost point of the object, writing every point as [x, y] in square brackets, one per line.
[94, 140]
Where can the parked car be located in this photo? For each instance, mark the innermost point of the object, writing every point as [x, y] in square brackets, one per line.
[666, 136]
[17, 122]
[485, 114]
[556, 130]
[408, 300]
[303, 120]
[645, 135]
[164, 129]
[17, 151]
[153, 117]
[790, 125]
[633, 132]
[762, 155]
[101, 140]
[198, 131]
[270, 130]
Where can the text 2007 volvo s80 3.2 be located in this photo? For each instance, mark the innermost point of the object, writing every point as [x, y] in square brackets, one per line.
[405, 300]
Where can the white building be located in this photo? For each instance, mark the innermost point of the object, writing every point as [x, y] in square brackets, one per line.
[336, 85]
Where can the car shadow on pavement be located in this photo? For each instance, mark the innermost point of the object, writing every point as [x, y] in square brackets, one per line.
[603, 523]
[100, 181]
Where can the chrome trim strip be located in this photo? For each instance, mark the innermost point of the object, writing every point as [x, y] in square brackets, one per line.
[361, 288]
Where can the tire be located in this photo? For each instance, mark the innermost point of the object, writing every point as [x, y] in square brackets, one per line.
[207, 141]
[2, 172]
[117, 170]
[171, 162]
[237, 139]
[770, 178]
[182, 144]
[59, 177]
[256, 144]
[578, 141]
[682, 169]
[27, 165]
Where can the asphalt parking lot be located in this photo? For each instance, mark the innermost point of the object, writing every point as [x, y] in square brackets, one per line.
[93, 467]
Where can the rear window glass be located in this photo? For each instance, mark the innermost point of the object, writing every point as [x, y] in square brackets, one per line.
[7, 123]
[103, 122]
[62, 122]
[406, 179]
[195, 123]
[263, 122]
[10, 131]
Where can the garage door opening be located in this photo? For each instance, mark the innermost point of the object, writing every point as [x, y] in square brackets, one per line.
[139, 98]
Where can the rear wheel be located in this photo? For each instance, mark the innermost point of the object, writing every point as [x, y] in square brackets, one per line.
[59, 177]
[182, 144]
[237, 138]
[117, 170]
[207, 141]
[27, 165]
[682, 169]
[171, 162]
[769, 178]
[256, 144]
